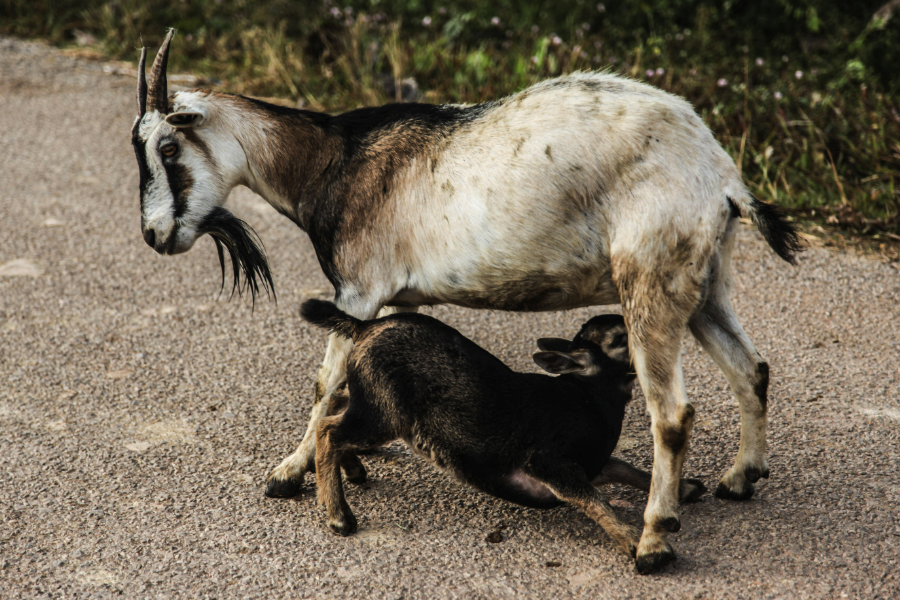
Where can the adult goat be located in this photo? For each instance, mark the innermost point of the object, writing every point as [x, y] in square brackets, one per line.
[585, 190]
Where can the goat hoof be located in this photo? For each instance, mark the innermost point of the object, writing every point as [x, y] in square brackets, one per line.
[744, 493]
[654, 561]
[692, 489]
[283, 488]
[344, 526]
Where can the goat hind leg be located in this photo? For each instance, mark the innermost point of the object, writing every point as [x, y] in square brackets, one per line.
[717, 329]
[656, 309]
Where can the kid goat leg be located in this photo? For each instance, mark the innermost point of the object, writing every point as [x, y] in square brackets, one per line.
[286, 480]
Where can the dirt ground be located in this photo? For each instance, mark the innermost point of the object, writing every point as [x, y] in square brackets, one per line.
[140, 412]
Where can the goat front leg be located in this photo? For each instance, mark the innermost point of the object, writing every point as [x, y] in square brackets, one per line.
[569, 483]
[286, 480]
[620, 471]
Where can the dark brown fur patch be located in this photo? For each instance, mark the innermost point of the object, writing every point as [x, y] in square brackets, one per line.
[761, 387]
[675, 437]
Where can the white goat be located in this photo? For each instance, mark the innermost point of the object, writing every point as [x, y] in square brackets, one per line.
[585, 190]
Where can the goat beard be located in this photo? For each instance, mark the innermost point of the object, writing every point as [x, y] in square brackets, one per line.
[248, 256]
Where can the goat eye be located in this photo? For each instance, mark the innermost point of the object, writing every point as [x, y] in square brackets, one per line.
[169, 150]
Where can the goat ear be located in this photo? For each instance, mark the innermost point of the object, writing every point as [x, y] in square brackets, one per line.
[554, 344]
[559, 363]
[183, 120]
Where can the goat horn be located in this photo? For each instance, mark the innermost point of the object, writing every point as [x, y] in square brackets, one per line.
[158, 92]
[142, 84]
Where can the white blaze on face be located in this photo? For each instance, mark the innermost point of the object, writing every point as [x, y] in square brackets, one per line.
[157, 202]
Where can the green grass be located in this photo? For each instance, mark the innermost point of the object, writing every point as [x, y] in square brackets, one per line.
[802, 93]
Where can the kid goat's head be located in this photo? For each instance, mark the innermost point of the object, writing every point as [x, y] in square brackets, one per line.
[600, 348]
[188, 165]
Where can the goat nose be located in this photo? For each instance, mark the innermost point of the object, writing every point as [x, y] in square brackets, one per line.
[150, 237]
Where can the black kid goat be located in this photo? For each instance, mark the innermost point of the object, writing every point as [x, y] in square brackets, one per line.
[531, 439]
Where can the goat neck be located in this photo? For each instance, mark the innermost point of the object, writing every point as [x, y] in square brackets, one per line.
[288, 154]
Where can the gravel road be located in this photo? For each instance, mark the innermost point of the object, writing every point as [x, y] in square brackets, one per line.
[140, 412]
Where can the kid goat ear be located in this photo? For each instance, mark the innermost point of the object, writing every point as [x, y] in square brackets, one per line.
[554, 344]
[560, 363]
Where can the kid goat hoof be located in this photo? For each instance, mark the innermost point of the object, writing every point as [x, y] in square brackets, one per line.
[691, 490]
[343, 527]
[283, 488]
[649, 563]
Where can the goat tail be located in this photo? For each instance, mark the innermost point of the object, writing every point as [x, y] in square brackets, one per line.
[772, 223]
[326, 315]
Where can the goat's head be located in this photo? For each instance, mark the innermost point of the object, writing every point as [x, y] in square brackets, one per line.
[187, 167]
[601, 347]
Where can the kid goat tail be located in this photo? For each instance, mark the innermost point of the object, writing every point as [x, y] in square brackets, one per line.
[772, 224]
[326, 315]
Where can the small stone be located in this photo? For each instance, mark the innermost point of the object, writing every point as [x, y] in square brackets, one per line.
[20, 267]
[120, 374]
[494, 537]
